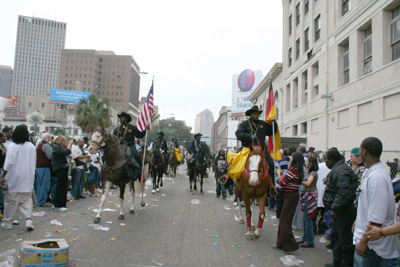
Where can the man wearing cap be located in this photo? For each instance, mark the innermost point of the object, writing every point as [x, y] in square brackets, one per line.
[128, 132]
[31, 137]
[355, 162]
[164, 147]
[255, 130]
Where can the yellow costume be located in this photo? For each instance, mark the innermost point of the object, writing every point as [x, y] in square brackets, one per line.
[236, 168]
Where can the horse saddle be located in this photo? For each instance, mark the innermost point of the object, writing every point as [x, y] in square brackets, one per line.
[133, 167]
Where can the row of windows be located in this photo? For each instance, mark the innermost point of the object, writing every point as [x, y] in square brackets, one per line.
[80, 68]
[42, 22]
[81, 54]
[81, 61]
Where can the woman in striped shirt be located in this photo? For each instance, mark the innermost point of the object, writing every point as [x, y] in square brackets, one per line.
[290, 183]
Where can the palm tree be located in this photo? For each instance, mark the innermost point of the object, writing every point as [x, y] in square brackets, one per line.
[35, 119]
[63, 122]
[93, 112]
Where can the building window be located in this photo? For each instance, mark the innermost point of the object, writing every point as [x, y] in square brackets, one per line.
[294, 130]
[368, 51]
[30, 104]
[304, 128]
[345, 6]
[316, 69]
[288, 98]
[297, 49]
[306, 40]
[290, 24]
[315, 91]
[290, 57]
[42, 105]
[317, 25]
[306, 7]
[298, 14]
[395, 34]
[346, 64]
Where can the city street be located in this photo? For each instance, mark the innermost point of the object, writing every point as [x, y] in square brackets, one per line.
[169, 231]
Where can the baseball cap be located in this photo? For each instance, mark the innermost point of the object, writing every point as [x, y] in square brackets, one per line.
[355, 151]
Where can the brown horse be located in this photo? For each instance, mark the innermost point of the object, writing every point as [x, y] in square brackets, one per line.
[173, 162]
[254, 184]
[157, 166]
[199, 166]
[114, 169]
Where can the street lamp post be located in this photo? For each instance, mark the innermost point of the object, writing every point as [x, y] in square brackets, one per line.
[161, 117]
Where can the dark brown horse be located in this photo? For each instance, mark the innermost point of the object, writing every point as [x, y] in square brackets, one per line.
[172, 162]
[199, 166]
[157, 166]
[254, 184]
[114, 169]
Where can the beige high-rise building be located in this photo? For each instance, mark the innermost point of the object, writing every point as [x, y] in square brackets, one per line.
[101, 72]
[340, 72]
[203, 123]
[6, 74]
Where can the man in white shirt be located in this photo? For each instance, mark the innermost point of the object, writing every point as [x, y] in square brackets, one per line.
[8, 131]
[79, 156]
[19, 176]
[322, 173]
[376, 206]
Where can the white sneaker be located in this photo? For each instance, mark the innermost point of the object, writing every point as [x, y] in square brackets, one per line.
[98, 190]
[6, 225]
[60, 209]
[29, 225]
[86, 192]
[234, 203]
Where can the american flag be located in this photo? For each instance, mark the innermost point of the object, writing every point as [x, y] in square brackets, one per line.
[146, 114]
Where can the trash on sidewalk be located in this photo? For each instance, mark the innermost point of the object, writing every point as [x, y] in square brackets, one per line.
[227, 208]
[43, 252]
[214, 236]
[290, 260]
[195, 201]
[7, 258]
[101, 228]
[39, 214]
[236, 246]
[55, 222]
[16, 222]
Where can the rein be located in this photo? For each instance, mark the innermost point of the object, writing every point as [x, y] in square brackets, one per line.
[262, 174]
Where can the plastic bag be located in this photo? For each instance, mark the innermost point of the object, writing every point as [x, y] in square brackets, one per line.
[101, 228]
[7, 259]
[237, 162]
[39, 214]
[195, 201]
[290, 260]
[55, 222]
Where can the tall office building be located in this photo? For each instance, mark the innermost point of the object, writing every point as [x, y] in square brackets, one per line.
[102, 73]
[203, 123]
[37, 55]
[6, 74]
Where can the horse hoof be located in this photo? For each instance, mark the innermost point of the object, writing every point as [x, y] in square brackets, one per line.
[153, 191]
[157, 190]
[161, 184]
[256, 236]
[201, 193]
[96, 220]
[249, 236]
[131, 211]
[191, 190]
[121, 217]
[253, 228]
[143, 204]
[241, 221]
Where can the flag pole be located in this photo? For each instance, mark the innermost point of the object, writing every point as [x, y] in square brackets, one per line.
[273, 132]
[144, 157]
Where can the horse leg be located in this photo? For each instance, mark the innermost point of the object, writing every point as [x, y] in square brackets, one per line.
[106, 190]
[154, 174]
[158, 182]
[121, 201]
[161, 179]
[261, 204]
[190, 180]
[201, 185]
[239, 197]
[249, 234]
[252, 207]
[132, 187]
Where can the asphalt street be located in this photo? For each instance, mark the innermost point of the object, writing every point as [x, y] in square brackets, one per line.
[168, 231]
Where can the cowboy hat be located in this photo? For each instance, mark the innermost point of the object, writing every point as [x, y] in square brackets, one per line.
[126, 115]
[160, 132]
[198, 134]
[253, 109]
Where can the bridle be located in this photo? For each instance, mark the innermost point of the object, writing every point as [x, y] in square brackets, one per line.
[104, 140]
[263, 173]
[158, 153]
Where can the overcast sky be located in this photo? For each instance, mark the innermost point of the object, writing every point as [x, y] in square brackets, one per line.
[192, 48]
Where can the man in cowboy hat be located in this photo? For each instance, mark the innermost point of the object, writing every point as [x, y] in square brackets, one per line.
[128, 132]
[164, 147]
[255, 130]
[194, 148]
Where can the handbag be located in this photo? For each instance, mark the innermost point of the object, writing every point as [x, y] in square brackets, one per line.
[73, 164]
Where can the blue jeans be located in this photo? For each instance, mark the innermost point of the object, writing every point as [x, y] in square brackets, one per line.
[42, 185]
[78, 184]
[308, 228]
[53, 186]
[220, 188]
[271, 203]
[94, 175]
[372, 259]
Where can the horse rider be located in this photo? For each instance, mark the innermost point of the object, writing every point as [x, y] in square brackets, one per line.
[194, 148]
[255, 130]
[128, 132]
[164, 148]
[174, 143]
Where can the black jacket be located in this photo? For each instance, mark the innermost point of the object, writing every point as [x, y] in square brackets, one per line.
[192, 148]
[129, 134]
[59, 159]
[164, 145]
[243, 133]
[341, 187]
